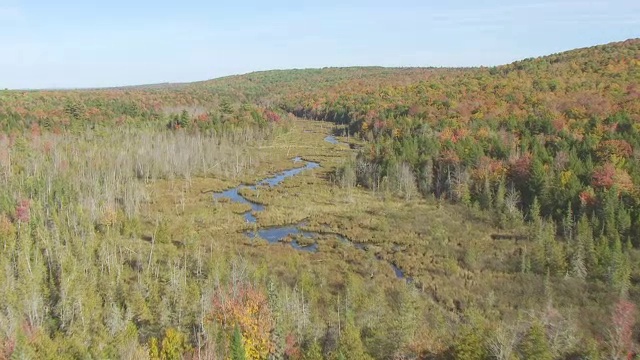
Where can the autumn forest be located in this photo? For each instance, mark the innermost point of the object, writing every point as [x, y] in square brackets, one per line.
[336, 213]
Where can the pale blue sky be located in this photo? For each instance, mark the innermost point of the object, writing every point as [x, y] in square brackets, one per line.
[47, 43]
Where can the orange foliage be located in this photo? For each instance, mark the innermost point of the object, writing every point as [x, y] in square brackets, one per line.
[246, 306]
[489, 169]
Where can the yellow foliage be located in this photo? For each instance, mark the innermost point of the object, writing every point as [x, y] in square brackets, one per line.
[565, 177]
[617, 160]
[248, 308]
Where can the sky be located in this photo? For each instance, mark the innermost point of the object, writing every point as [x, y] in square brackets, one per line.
[70, 44]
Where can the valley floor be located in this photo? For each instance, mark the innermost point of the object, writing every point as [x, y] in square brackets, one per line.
[442, 254]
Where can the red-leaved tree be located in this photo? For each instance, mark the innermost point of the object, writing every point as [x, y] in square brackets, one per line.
[23, 214]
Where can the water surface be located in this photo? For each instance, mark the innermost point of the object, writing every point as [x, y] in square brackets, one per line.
[288, 233]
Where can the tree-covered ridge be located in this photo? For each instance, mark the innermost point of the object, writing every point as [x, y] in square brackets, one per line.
[595, 81]
[561, 128]
[61, 110]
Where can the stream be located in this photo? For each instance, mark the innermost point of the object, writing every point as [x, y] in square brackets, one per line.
[277, 234]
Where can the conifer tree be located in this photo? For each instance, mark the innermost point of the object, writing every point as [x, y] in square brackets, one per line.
[619, 269]
[470, 344]
[578, 252]
[584, 237]
[350, 344]
[237, 347]
[568, 224]
[535, 345]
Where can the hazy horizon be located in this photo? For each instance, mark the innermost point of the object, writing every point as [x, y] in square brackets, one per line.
[70, 44]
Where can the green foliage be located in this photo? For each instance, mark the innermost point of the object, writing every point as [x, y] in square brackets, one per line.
[174, 345]
[162, 234]
[535, 344]
[314, 352]
[350, 344]
[236, 348]
[470, 344]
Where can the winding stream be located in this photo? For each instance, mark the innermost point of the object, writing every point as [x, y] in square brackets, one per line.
[293, 232]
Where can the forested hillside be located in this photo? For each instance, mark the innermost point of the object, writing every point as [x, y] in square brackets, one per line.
[553, 138]
[477, 213]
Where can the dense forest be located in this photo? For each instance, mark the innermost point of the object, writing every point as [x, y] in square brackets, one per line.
[506, 200]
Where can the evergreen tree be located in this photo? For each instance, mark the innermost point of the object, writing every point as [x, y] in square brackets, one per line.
[609, 214]
[568, 223]
[535, 345]
[350, 344]
[548, 253]
[534, 212]
[537, 180]
[535, 225]
[485, 195]
[619, 269]
[578, 261]
[584, 237]
[500, 205]
[578, 253]
[184, 119]
[623, 220]
[237, 347]
[470, 344]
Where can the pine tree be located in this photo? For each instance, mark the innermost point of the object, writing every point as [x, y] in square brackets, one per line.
[548, 253]
[485, 195]
[584, 237]
[470, 344]
[500, 205]
[350, 344]
[237, 347]
[534, 213]
[535, 345]
[578, 253]
[184, 119]
[578, 263]
[568, 223]
[623, 220]
[619, 269]
[537, 180]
